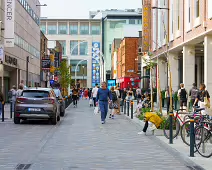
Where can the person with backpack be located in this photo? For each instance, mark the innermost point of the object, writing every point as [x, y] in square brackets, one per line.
[193, 94]
[113, 105]
[183, 95]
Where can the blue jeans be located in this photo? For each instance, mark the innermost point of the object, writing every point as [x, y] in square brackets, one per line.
[104, 109]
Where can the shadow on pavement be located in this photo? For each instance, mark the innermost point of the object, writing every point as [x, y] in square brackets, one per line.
[35, 122]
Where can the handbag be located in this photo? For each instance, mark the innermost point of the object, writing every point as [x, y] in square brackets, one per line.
[96, 110]
[206, 102]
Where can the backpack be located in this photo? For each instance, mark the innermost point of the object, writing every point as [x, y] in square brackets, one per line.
[114, 96]
[10, 94]
[183, 94]
[194, 93]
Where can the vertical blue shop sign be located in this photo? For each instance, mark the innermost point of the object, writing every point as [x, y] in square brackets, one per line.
[95, 63]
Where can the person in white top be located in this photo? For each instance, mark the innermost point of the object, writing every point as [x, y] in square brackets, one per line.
[94, 94]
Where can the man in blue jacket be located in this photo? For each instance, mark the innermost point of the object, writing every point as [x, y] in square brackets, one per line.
[103, 95]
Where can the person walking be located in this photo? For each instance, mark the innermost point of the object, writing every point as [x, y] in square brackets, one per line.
[113, 105]
[94, 94]
[102, 97]
[193, 94]
[1, 100]
[167, 96]
[124, 95]
[117, 102]
[203, 98]
[20, 90]
[183, 95]
[75, 94]
[12, 95]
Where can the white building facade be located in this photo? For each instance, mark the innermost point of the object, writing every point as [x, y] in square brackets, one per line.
[77, 37]
[25, 42]
[189, 33]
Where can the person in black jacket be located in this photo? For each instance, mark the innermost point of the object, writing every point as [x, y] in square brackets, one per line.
[1, 100]
[183, 95]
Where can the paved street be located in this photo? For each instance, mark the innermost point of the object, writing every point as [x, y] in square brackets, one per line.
[79, 141]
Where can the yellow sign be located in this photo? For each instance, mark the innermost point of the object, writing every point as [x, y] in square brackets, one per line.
[52, 58]
[52, 69]
[146, 24]
[115, 71]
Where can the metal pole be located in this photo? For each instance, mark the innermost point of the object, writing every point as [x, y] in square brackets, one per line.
[27, 71]
[2, 118]
[171, 128]
[128, 108]
[192, 136]
[11, 107]
[125, 106]
[131, 109]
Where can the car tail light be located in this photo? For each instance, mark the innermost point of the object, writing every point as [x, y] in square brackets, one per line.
[51, 100]
[21, 100]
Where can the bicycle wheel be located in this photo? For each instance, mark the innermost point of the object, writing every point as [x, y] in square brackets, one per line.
[203, 141]
[185, 132]
[175, 125]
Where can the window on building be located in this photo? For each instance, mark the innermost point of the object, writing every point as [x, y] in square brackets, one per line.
[52, 29]
[114, 24]
[209, 10]
[73, 28]
[63, 44]
[43, 28]
[189, 11]
[178, 14]
[131, 21]
[74, 47]
[95, 28]
[84, 28]
[197, 8]
[62, 28]
[84, 48]
[139, 21]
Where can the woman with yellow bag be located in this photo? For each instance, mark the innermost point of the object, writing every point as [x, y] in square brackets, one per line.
[154, 119]
[203, 98]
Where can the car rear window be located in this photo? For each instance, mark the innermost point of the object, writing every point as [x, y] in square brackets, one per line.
[36, 94]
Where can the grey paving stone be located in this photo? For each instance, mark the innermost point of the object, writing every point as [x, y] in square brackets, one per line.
[81, 142]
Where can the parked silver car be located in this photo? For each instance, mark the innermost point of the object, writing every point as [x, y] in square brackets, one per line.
[37, 103]
[61, 101]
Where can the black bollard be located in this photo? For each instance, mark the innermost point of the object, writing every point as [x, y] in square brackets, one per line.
[2, 118]
[128, 108]
[192, 137]
[131, 109]
[122, 106]
[125, 105]
[171, 128]
[11, 108]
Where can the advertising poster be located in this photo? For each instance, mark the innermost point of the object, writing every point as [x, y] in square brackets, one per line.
[95, 63]
[111, 83]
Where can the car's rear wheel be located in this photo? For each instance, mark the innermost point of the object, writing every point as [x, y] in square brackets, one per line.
[62, 113]
[17, 120]
[58, 118]
[54, 119]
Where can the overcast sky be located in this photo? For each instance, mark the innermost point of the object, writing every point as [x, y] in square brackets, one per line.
[80, 8]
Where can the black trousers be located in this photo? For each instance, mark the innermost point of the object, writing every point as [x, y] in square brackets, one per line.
[94, 101]
[74, 97]
[168, 103]
[145, 126]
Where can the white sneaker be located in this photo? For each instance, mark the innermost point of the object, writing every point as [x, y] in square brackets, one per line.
[141, 133]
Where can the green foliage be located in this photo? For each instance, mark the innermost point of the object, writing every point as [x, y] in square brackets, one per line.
[175, 96]
[65, 76]
[163, 94]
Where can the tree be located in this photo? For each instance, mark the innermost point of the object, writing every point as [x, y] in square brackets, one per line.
[64, 77]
